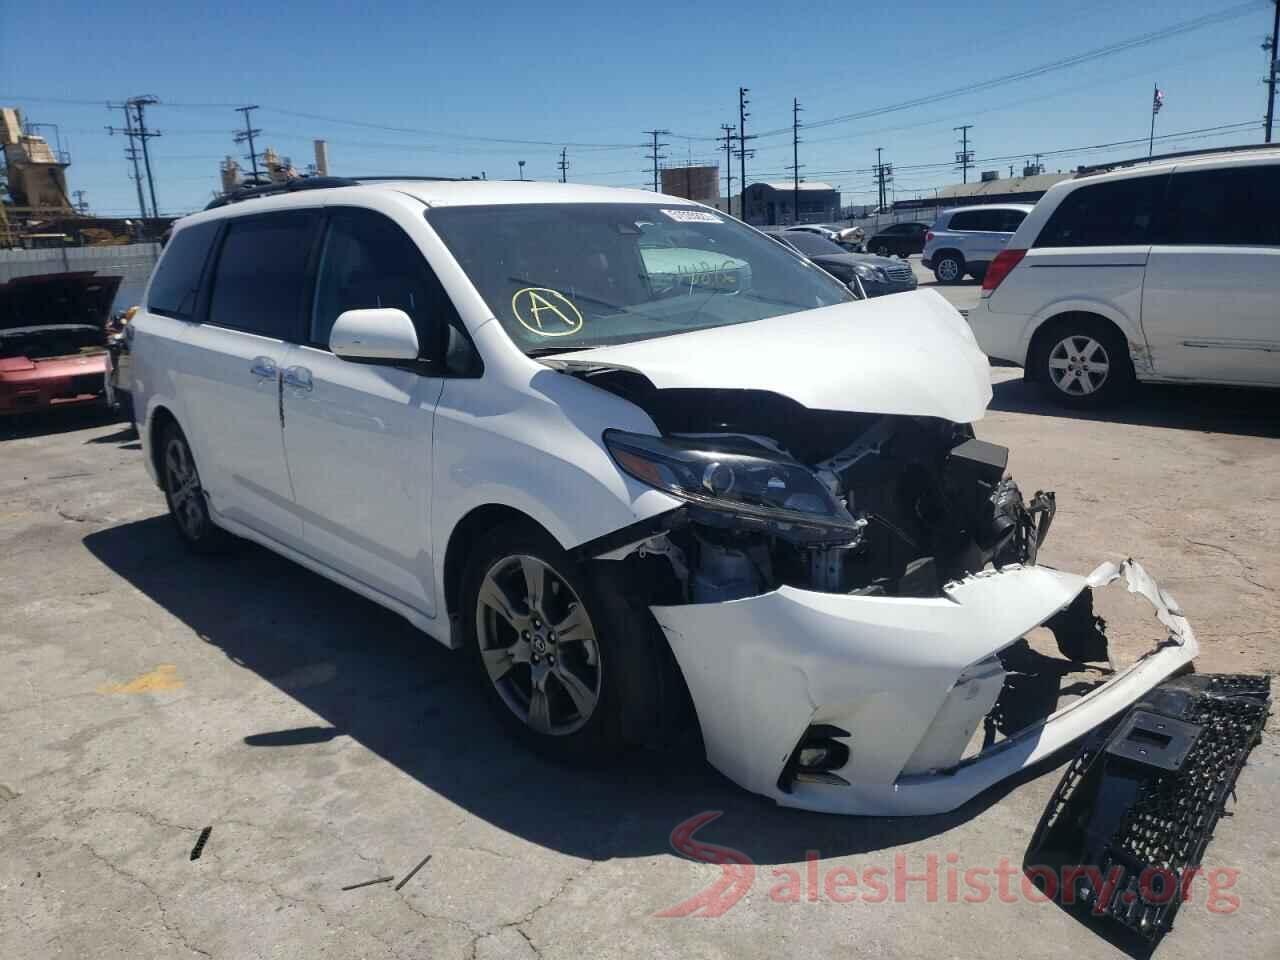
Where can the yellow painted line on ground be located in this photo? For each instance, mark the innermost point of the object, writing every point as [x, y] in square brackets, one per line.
[163, 677]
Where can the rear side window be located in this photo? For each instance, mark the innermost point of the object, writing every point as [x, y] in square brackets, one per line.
[1235, 206]
[177, 280]
[975, 220]
[1105, 214]
[368, 261]
[1008, 221]
[259, 283]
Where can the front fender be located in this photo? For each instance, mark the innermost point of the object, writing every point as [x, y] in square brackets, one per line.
[536, 447]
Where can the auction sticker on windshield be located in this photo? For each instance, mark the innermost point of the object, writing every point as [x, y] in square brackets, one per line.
[692, 216]
[546, 312]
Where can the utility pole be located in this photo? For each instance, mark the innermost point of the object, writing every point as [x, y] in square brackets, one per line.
[728, 129]
[564, 163]
[655, 155]
[131, 151]
[82, 205]
[742, 151]
[795, 158]
[965, 157]
[521, 164]
[884, 177]
[143, 134]
[1273, 48]
[247, 135]
[1156, 102]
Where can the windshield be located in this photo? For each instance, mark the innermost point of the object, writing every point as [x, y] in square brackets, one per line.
[577, 275]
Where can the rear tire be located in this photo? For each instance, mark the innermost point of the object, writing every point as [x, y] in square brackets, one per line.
[1083, 361]
[882, 251]
[188, 505]
[570, 669]
[948, 267]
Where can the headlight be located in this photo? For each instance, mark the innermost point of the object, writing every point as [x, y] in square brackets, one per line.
[868, 272]
[771, 493]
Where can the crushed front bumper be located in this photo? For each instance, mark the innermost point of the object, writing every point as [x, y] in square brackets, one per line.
[909, 680]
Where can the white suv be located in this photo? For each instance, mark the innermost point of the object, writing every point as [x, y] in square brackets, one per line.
[1166, 271]
[967, 239]
[628, 453]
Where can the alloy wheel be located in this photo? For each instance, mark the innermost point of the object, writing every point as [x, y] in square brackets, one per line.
[182, 484]
[1079, 365]
[538, 645]
[948, 270]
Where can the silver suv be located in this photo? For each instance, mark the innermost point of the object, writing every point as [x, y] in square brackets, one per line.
[967, 239]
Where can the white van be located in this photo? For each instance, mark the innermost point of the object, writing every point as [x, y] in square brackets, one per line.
[1164, 272]
[627, 453]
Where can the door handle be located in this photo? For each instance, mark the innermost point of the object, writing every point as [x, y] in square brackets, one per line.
[263, 367]
[297, 377]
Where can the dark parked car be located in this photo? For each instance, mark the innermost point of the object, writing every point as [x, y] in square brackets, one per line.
[903, 239]
[870, 275]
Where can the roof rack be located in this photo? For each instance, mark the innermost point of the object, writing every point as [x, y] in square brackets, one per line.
[310, 183]
[1083, 171]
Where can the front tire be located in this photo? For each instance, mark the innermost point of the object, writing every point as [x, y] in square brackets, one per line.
[188, 507]
[1084, 362]
[563, 663]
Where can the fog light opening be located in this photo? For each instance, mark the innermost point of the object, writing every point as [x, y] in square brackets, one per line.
[816, 758]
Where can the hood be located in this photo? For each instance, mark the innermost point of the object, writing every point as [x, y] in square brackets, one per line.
[57, 299]
[911, 354]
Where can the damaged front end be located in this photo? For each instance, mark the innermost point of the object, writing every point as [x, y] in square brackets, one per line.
[848, 596]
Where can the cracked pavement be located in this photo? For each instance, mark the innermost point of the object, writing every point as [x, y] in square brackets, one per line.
[147, 694]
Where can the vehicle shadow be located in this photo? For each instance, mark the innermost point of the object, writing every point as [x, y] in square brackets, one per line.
[52, 422]
[369, 675]
[1235, 410]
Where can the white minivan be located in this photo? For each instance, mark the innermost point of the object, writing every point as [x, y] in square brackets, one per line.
[1166, 271]
[632, 456]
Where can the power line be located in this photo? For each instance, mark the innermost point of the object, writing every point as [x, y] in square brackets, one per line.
[655, 155]
[1236, 127]
[1063, 63]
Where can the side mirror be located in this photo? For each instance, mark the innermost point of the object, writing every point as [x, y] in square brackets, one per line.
[381, 333]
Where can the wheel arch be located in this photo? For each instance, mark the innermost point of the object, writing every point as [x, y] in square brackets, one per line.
[473, 525]
[158, 422]
[1054, 320]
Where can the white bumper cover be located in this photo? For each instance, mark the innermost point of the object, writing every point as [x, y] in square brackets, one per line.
[905, 676]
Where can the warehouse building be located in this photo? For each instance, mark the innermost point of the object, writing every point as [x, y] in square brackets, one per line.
[773, 204]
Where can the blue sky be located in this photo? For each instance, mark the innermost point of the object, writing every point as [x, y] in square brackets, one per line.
[599, 74]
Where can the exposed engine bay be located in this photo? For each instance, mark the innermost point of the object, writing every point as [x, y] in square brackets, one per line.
[848, 503]
[63, 340]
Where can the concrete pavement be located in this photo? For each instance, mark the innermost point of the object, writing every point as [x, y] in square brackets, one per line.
[147, 694]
